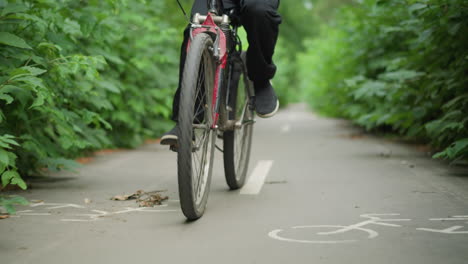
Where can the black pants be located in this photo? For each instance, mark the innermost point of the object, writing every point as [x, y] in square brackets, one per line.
[261, 20]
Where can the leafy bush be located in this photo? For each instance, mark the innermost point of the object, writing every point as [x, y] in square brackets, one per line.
[399, 65]
[76, 76]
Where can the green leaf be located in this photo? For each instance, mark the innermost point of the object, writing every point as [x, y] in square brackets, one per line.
[8, 139]
[18, 72]
[18, 200]
[56, 164]
[9, 208]
[457, 100]
[2, 168]
[7, 176]
[455, 150]
[71, 27]
[13, 40]
[20, 182]
[417, 6]
[355, 80]
[109, 86]
[370, 89]
[4, 157]
[31, 80]
[401, 75]
[22, 95]
[34, 71]
[458, 147]
[6, 98]
[38, 101]
[12, 158]
[14, 8]
[8, 204]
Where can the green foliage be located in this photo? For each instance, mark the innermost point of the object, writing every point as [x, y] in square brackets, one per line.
[398, 65]
[8, 170]
[76, 76]
[300, 20]
[8, 203]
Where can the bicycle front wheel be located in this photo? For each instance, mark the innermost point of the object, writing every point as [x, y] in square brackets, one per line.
[237, 142]
[196, 136]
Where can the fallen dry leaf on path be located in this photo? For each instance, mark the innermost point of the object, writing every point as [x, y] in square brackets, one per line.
[126, 197]
[144, 199]
[151, 200]
[120, 198]
[4, 216]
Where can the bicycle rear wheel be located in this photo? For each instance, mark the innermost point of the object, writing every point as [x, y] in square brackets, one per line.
[237, 142]
[196, 137]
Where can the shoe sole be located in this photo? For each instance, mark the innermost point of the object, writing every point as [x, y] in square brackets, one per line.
[270, 114]
[169, 140]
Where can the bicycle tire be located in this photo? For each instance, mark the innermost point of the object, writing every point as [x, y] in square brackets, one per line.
[237, 142]
[196, 144]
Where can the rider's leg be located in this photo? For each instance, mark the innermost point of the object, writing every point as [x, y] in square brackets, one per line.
[261, 20]
[183, 55]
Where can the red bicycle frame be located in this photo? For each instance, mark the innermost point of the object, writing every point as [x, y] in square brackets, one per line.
[220, 54]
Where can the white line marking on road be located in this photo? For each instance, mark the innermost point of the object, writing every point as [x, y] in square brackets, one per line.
[448, 219]
[75, 220]
[101, 214]
[450, 230]
[275, 235]
[66, 206]
[286, 128]
[257, 178]
[36, 214]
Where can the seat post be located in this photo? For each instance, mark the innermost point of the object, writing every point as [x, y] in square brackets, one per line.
[215, 6]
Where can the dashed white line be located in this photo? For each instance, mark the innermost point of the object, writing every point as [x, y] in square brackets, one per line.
[257, 178]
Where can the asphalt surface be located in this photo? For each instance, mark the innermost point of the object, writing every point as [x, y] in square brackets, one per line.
[331, 194]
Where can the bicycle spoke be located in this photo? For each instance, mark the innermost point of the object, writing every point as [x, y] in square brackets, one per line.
[196, 159]
[200, 93]
[238, 148]
[202, 168]
[201, 133]
[200, 107]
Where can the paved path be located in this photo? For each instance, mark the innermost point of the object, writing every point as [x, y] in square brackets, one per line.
[331, 195]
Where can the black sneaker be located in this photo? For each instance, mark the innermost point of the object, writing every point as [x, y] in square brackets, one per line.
[266, 101]
[171, 137]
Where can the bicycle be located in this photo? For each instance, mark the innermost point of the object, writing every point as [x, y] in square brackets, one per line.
[216, 101]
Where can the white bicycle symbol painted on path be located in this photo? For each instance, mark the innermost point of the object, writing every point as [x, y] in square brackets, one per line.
[80, 213]
[372, 219]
